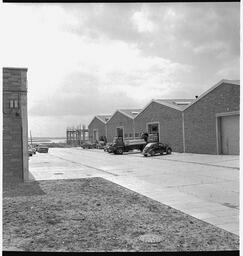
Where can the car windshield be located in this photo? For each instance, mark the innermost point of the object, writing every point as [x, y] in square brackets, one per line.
[149, 145]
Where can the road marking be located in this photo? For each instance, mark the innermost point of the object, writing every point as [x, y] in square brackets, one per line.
[89, 166]
[190, 162]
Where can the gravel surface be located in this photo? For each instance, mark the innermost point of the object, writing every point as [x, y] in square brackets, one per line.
[97, 215]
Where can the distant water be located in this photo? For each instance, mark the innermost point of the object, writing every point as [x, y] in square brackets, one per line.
[48, 139]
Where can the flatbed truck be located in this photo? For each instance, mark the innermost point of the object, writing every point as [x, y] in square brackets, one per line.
[119, 145]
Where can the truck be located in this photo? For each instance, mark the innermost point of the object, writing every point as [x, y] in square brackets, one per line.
[119, 145]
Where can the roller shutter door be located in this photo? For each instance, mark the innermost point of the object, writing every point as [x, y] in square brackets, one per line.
[230, 135]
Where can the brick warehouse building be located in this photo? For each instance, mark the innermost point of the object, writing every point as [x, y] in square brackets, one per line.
[121, 123]
[97, 127]
[163, 117]
[15, 125]
[211, 123]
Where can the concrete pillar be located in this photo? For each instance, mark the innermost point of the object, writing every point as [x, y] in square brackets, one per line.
[15, 125]
[24, 119]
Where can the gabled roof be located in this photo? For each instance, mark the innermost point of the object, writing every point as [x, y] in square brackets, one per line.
[178, 104]
[233, 82]
[131, 113]
[104, 118]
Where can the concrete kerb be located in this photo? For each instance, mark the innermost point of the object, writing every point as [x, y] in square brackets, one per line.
[165, 158]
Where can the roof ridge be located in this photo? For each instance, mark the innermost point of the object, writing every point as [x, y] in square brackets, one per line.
[104, 115]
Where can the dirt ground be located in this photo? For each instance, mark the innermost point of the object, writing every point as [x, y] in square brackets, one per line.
[94, 214]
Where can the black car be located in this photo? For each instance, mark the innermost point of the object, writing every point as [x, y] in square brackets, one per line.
[42, 149]
[88, 145]
[155, 148]
[107, 147]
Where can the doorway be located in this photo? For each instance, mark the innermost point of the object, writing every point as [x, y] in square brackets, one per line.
[229, 134]
[153, 128]
[95, 137]
[120, 132]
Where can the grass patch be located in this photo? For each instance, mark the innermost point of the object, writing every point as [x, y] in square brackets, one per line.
[97, 215]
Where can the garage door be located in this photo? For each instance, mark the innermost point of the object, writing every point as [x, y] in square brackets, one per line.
[230, 135]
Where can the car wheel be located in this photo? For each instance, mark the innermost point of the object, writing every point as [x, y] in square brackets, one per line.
[169, 151]
[119, 151]
[145, 155]
[152, 153]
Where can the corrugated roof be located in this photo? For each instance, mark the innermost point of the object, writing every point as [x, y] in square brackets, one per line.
[104, 118]
[130, 112]
[179, 104]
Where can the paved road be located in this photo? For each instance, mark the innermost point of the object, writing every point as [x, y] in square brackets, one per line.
[204, 186]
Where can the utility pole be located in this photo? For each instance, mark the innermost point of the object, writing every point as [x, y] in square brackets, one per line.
[30, 138]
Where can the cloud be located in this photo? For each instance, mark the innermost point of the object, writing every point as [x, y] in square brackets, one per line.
[215, 47]
[86, 59]
[229, 70]
[142, 22]
[105, 20]
[83, 104]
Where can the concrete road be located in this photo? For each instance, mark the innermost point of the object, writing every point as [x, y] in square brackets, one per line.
[204, 186]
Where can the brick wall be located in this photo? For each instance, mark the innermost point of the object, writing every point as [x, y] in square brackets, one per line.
[119, 120]
[200, 120]
[15, 130]
[170, 124]
[99, 126]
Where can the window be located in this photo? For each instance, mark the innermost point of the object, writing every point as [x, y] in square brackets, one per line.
[182, 102]
[126, 135]
[13, 104]
[153, 128]
[135, 113]
[130, 134]
[119, 132]
[16, 105]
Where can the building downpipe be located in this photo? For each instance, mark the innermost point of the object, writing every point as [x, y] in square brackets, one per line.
[183, 133]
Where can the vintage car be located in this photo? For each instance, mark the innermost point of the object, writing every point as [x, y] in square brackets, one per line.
[30, 151]
[107, 147]
[34, 150]
[42, 149]
[88, 145]
[100, 144]
[155, 148]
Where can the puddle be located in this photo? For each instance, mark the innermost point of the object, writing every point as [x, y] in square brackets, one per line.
[58, 173]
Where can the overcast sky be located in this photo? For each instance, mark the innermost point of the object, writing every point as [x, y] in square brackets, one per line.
[88, 59]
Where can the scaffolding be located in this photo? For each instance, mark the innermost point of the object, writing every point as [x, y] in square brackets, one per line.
[76, 136]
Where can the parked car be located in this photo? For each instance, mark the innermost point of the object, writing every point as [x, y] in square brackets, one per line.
[42, 149]
[155, 148]
[100, 144]
[107, 147]
[30, 152]
[33, 149]
[88, 145]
